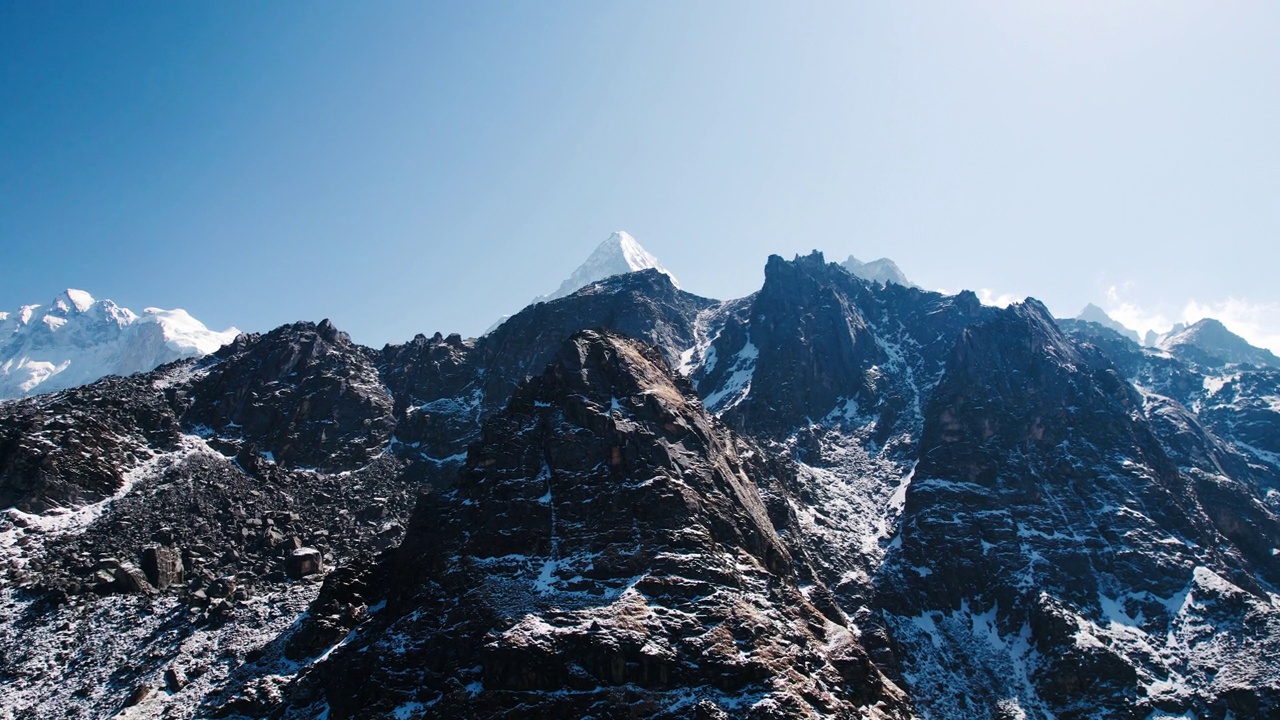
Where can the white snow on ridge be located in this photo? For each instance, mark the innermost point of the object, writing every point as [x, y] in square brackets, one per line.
[76, 339]
[620, 253]
[185, 334]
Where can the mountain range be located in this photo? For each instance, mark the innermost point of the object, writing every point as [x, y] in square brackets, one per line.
[76, 339]
[839, 496]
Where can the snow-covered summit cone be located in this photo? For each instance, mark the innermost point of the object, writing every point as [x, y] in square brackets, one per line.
[1209, 342]
[76, 339]
[1094, 314]
[618, 254]
[883, 270]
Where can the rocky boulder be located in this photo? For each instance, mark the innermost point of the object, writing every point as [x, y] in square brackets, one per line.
[162, 566]
[303, 562]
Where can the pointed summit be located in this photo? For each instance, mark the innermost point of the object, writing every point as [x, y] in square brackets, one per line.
[1094, 314]
[619, 253]
[72, 298]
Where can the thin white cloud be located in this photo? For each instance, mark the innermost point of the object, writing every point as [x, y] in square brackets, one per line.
[1258, 323]
[1134, 316]
[989, 297]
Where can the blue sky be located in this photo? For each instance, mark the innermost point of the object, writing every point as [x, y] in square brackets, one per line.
[413, 167]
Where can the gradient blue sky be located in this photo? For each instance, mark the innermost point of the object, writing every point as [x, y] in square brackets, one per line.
[421, 166]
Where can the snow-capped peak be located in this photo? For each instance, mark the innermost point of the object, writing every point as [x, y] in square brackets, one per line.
[185, 334]
[636, 257]
[76, 339]
[619, 253]
[72, 298]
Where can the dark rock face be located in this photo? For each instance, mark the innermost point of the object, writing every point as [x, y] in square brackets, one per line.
[444, 388]
[644, 305]
[845, 429]
[1123, 352]
[1015, 384]
[813, 343]
[438, 390]
[1243, 409]
[74, 447]
[817, 342]
[1069, 533]
[605, 548]
[303, 393]
[951, 510]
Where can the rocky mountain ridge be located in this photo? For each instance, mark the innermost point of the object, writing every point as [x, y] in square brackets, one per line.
[833, 497]
[606, 549]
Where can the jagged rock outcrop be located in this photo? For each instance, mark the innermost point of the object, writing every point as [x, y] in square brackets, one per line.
[995, 513]
[1190, 386]
[645, 305]
[1073, 544]
[817, 342]
[304, 394]
[438, 391]
[812, 346]
[830, 373]
[605, 551]
[444, 388]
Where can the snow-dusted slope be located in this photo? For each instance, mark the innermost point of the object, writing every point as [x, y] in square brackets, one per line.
[618, 254]
[1209, 342]
[76, 339]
